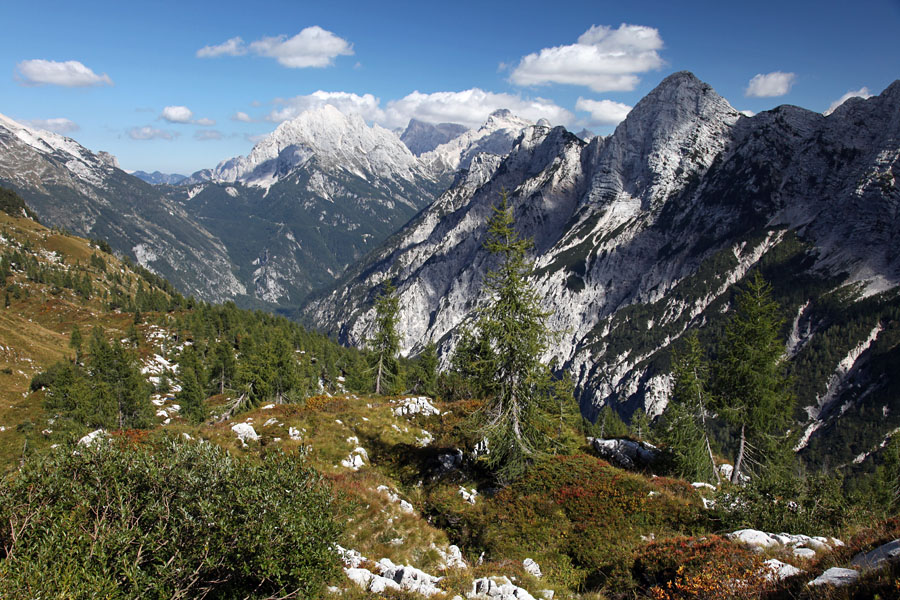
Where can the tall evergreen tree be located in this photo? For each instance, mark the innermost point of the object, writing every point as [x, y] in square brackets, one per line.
[191, 396]
[753, 393]
[519, 387]
[385, 341]
[76, 341]
[684, 429]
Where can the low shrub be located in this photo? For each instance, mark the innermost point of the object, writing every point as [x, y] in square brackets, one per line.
[164, 519]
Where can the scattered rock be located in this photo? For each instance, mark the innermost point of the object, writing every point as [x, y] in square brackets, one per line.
[352, 558]
[836, 576]
[357, 459]
[625, 454]
[245, 432]
[294, 434]
[396, 499]
[878, 557]
[370, 581]
[452, 558]
[415, 406]
[802, 545]
[532, 568]
[779, 570]
[468, 494]
[703, 484]
[499, 588]
[754, 538]
[91, 438]
[410, 578]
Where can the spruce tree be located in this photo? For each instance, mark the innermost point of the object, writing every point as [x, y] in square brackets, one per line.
[191, 396]
[385, 341]
[76, 341]
[753, 393]
[519, 388]
[684, 429]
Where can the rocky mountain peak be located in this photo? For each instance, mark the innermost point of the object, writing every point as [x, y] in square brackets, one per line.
[670, 136]
[496, 136]
[335, 139]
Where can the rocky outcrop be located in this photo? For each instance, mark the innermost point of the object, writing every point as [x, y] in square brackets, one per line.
[626, 454]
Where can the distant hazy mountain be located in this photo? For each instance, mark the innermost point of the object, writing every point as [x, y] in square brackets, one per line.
[157, 178]
[642, 235]
[421, 137]
[69, 186]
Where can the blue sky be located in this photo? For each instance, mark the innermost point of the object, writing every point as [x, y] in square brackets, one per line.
[104, 73]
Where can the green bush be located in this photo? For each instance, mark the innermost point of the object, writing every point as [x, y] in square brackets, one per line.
[169, 519]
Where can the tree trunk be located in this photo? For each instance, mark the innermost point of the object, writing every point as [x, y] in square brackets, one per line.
[712, 460]
[378, 375]
[735, 475]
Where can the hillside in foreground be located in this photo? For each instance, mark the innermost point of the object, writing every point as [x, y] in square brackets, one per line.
[234, 454]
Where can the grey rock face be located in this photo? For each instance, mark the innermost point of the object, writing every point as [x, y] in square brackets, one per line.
[642, 235]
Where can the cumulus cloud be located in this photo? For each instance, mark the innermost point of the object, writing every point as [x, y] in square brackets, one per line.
[603, 112]
[233, 47]
[862, 92]
[770, 85]
[469, 107]
[184, 115]
[748, 113]
[603, 59]
[312, 47]
[70, 73]
[151, 133]
[366, 105]
[177, 114]
[58, 125]
[242, 117]
[205, 135]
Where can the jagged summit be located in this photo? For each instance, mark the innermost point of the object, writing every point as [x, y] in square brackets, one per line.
[496, 136]
[333, 138]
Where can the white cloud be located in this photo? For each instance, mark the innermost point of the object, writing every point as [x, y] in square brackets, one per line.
[205, 135]
[603, 112]
[151, 133]
[177, 114]
[233, 47]
[862, 92]
[312, 47]
[470, 108]
[184, 115]
[770, 85]
[69, 74]
[604, 59]
[58, 125]
[242, 117]
[748, 113]
[366, 105]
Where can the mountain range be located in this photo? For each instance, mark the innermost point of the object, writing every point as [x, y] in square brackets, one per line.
[264, 229]
[647, 233]
[639, 236]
